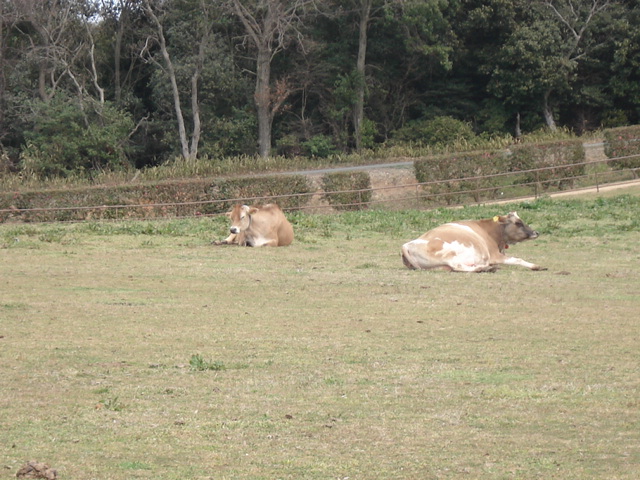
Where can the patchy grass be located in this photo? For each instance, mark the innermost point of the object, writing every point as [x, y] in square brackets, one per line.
[339, 361]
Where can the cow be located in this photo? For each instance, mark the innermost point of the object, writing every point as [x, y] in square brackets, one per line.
[469, 246]
[258, 226]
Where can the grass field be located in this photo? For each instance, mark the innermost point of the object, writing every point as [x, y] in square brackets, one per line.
[139, 350]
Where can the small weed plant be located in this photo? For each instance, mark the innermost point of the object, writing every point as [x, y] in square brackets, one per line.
[198, 364]
[113, 404]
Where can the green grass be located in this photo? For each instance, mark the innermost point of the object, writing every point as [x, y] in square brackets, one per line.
[339, 362]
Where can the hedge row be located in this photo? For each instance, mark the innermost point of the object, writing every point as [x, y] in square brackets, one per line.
[347, 190]
[623, 142]
[481, 175]
[562, 162]
[456, 178]
[450, 176]
[168, 199]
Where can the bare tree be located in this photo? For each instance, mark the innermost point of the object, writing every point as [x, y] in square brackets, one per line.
[269, 25]
[48, 27]
[120, 13]
[61, 44]
[189, 151]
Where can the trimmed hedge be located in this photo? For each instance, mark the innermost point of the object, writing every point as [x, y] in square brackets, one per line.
[347, 190]
[290, 192]
[623, 142]
[458, 175]
[168, 199]
[556, 158]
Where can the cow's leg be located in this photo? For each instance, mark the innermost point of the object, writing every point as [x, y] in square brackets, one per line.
[406, 261]
[522, 263]
[415, 257]
[409, 258]
[266, 243]
[231, 239]
[473, 268]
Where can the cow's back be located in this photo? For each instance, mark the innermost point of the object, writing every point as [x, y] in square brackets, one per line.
[285, 232]
[273, 224]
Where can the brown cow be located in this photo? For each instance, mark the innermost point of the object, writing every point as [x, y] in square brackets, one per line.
[259, 226]
[469, 246]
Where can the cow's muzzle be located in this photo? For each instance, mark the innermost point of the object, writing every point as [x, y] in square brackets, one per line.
[534, 234]
[237, 230]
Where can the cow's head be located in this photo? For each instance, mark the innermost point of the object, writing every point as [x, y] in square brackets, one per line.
[241, 217]
[514, 229]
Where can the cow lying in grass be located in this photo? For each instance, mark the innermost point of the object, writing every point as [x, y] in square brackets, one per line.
[469, 246]
[258, 226]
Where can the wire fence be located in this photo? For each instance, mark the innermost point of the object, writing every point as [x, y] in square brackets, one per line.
[516, 185]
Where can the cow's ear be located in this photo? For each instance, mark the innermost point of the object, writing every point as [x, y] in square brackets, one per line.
[499, 219]
[252, 210]
[228, 214]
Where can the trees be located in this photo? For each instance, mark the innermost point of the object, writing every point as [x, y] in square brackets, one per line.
[51, 75]
[540, 60]
[624, 83]
[270, 25]
[206, 78]
[203, 29]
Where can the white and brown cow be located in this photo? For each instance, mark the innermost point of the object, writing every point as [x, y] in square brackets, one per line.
[259, 226]
[469, 246]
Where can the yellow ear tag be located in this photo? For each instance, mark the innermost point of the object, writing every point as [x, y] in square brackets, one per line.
[496, 219]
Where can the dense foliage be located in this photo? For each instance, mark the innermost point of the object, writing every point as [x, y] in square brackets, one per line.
[87, 85]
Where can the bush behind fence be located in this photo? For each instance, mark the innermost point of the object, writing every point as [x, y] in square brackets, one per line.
[442, 180]
[622, 145]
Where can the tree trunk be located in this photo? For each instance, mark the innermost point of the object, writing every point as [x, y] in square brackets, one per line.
[548, 112]
[117, 52]
[263, 100]
[358, 113]
[182, 131]
[518, 129]
[195, 101]
[187, 153]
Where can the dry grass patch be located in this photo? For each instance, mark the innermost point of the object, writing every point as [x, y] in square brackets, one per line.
[336, 360]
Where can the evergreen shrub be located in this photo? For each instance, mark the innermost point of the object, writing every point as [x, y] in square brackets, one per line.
[437, 131]
[347, 190]
[319, 146]
[65, 139]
